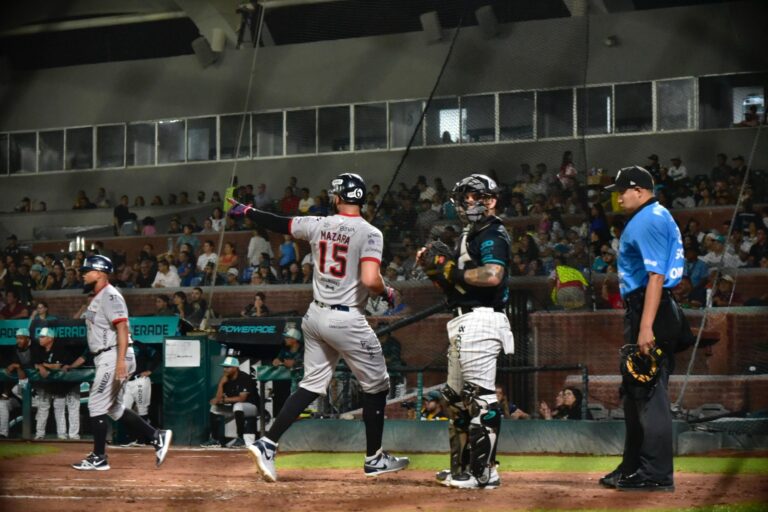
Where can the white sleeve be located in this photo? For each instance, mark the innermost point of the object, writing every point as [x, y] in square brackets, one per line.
[114, 307]
[304, 227]
[373, 246]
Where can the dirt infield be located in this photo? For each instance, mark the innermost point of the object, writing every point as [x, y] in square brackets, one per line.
[225, 480]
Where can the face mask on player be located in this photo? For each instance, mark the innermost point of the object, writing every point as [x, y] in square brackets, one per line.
[472, 208]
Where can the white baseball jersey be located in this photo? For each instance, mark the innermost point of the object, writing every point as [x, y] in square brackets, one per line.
[339, 244]
[107, 309]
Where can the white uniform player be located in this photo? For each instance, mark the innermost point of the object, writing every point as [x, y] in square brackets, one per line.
[109, 340]
[347, 254]
[476, 283]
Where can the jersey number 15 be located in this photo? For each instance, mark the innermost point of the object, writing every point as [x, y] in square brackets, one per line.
[339, 256]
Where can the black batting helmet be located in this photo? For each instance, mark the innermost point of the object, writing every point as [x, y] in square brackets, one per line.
[349, 187]
[97, 262]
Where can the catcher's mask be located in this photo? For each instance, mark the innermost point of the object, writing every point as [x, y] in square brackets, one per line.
[639, 369]
[482, 187]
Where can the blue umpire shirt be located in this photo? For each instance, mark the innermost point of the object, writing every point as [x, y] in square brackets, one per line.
[651, 242]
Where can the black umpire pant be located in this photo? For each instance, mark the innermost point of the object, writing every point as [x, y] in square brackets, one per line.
[647, 414]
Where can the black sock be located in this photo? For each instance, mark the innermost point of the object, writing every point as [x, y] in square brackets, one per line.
[99, 427]
[373, 417]
[146, 418]
[292, 407]
[137, 426]
[240, 423]
[213, 419]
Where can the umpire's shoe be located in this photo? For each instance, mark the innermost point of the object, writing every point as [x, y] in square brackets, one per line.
[161, 443]
[382, 462]
[92, 462]
[263, 452]
[637, 482]
[611, 479]
[467, 481]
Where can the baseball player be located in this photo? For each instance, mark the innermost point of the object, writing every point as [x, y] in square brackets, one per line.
[476, 282]
[236, 397]
[347, 253]
[109, 340]
[22, 360]
[65, 395]
[138, 389]
[651, 264]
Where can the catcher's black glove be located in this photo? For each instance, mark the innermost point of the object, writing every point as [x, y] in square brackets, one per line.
[437, 261]
[639, 369]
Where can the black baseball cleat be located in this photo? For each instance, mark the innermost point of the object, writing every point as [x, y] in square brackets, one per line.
[637, 482]
[92, 462]
[611, 479]
[161, 443]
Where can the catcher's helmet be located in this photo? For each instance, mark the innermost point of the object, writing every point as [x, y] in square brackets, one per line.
[639, 369]
[349, 187]
[479, 184]
[97, 262]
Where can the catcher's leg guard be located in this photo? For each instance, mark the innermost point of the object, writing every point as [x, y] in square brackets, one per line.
[458, 430]
[483, 431]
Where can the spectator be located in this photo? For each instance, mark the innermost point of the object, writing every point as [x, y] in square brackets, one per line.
[184, 198]
[567, 406]
[267, 275]
[101, 200]
[677, 171]
[39, 319]
[509, 410]
[258, 244]
[739, 169]
[261, 199]
[236, 396]
[71, 280]
[166, 276]
[185, 269]
[12, 248]
[25, 206]
[319, 208]
[82, 202]
[139, 201]
[610, 293]
[228, 258]
[683, 198]
[292, 275]
[232, 275]
[198, 307]
[156, 201]
[306, 202]
[258, 308]
[721, 171]
[567, 174]
[217, 219]
[121, 215]
[163, 306]
[716, 254]
[687, 296]
[208, 256]
[257, 279]
[751, 118]
[288, 252]
[13, 309]
[65, 395]
[216, 197]
[37, 274]
[695, 269]
[172, 199]
[654, 167]
[725, 295]
[174, 227]
[200, 197]
[210, 277]
[289, 204]
[433, 409]
[187, 237]
[425, 219]
[181, 306]
[148, 226]
[568, 285]
[146, 276]
[759, 249]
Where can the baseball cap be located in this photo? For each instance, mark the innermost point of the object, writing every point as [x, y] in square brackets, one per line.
[654, 157]
[47, 332]
[292, 333]
[37, 267]
[729, 278]
[630, 177]
[433, 395]
[233, 271]
[230, 362]
[22, 332]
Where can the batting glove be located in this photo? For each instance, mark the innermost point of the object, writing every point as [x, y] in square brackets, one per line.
[238, 209]
[390, 296]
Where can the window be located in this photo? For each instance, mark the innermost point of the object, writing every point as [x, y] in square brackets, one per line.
[79, 148]
[634, 111]
[140, 149]
[229, 134]
[594, 110]
[478, 118]
[371, 126]
[268, 134]
[23, 153]
[51, 151]
[734, 100]
[170, 141]
[300, 138]
[403, 119]
[333, 129]
[443, 122]
[110, 146]
[674, 104]
[554, 114]
[3, 153]
[516, 116]
[201, 139]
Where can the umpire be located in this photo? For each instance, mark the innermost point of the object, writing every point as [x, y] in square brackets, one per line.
[650, 264]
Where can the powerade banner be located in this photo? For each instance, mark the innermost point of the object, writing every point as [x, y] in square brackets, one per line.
[252, 331]
[147, 329]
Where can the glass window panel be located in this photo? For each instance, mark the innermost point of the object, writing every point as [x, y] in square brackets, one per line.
[268, 134]
[51, 151]
[333, 129]
[79, 148]
[300, 132]
[201, 139]
[110, 146]
[634, 108]
[23, 153]
[444, 122]
[140, 149]
[170, 141]
[3, 153]
[478, 119]
[554, 114]
[732, 100]
[674, 104]
[403, 118]
[229, 131]
[516, 116]
[594, 110]
[371, 126]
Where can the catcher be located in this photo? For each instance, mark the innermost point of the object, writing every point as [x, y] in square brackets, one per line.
[475, 279]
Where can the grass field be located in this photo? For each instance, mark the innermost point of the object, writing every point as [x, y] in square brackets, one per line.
[12, 450]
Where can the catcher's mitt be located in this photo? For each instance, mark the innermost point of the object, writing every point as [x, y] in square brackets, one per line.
[639, 369]
[437, 261]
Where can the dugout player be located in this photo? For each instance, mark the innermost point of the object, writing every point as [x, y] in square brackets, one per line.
[236, 396]
[476, 282]
[138, 389]
[347, 254]
[109, 340]
[651, 261]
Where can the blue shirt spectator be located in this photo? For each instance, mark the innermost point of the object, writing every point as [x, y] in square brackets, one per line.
[695, 269]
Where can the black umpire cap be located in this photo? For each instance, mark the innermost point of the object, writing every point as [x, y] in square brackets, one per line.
[631, 177]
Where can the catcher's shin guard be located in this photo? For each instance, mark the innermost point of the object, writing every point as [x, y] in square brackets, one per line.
[483, 432]
[458, 430]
